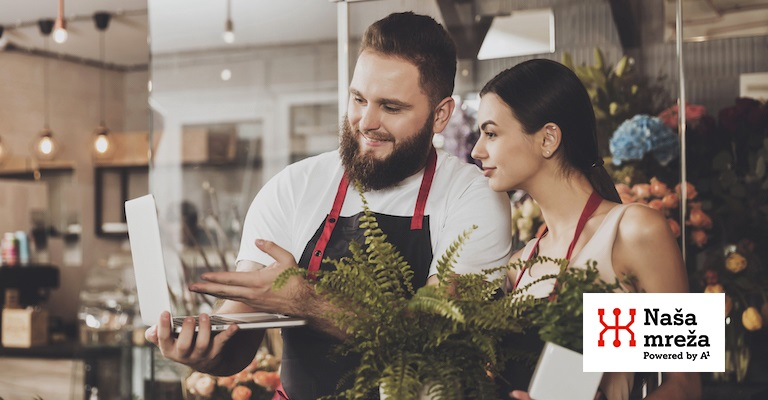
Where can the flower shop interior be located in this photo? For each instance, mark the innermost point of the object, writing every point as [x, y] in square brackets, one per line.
[201, 102]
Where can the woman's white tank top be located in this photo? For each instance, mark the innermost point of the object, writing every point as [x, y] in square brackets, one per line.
[599, 248]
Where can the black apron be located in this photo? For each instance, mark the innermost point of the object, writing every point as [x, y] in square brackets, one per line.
[310, 369]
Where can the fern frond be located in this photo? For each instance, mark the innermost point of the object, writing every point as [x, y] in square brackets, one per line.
[284, 276]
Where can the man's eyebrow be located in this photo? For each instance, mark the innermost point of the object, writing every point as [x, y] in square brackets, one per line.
[392, 102]
[388, 102]
[486, 123]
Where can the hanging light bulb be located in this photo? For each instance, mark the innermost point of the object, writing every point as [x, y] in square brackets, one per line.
[229, 30]
[46, 147]
[60, 26]
[102, 146]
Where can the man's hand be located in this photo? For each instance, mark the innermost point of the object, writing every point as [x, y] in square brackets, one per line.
[200, 350]
[254, 288]
[519, 395]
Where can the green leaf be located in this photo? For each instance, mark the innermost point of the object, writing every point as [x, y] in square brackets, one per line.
[738, 190]
[722, 161]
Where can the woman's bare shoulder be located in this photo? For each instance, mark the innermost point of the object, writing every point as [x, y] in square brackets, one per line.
[641, 222]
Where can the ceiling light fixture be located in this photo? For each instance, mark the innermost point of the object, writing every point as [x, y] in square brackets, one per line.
[60, 26]
[229, 30]
[102, 148]
[45, 146]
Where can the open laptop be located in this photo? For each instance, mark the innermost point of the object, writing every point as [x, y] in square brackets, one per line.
[152, 283]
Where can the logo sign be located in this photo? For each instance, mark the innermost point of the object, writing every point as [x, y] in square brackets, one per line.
[669, 332]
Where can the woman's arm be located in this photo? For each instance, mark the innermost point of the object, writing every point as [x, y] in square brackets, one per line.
[646, 250]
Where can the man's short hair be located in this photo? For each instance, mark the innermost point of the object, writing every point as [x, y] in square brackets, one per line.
[422, 41]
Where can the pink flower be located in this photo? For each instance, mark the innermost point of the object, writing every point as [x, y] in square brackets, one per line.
[242, 376]
[641, 190]
[691, 194]
[711, 277]
[226, 381]
[671, 200]
[658, 188]
[241, 393]
[698, 218]
[626, 198]
[269, 380]
[656, 204]
[674, 227]
[699, 237]
[693, 113]
[746, 246]
[623, 188]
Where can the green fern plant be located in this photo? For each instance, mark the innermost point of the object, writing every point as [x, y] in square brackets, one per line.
[559, 319]
[446, 337]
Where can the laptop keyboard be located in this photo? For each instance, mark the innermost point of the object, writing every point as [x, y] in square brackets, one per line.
[215, 320]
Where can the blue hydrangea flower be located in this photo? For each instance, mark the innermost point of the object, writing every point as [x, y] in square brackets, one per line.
[641, 135]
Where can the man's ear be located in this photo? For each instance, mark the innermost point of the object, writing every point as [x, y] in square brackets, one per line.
[443, 113]
[551, 138]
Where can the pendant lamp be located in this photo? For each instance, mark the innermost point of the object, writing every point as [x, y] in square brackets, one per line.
[60, 26]
[45, 147]
[102, 146]
[229, 29]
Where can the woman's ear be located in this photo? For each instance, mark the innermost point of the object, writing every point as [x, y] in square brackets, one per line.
[551, 139]
[443, 113]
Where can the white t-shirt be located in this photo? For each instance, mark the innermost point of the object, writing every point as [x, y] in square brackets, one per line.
[292, 205]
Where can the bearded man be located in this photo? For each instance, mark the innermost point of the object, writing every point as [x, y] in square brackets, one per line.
[423, 199]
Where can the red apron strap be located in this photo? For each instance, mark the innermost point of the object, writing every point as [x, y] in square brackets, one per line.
[280, 393]
[338, 202]
[330, 223]
[592, 203]
[535, 250]
[426, 184]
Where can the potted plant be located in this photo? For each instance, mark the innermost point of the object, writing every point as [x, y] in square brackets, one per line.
[440, 341]
[559, 371]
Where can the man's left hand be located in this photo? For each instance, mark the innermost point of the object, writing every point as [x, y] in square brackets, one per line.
[254, 288]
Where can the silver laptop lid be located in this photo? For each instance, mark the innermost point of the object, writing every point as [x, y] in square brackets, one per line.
[147, 254]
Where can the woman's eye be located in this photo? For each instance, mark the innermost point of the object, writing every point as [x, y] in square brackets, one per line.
[490, 134]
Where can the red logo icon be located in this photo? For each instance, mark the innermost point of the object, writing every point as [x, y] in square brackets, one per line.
[616, 327]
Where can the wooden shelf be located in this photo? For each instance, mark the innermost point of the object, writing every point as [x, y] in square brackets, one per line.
[28, 170]
[29, 277]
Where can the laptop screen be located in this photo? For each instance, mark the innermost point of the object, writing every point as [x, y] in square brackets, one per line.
[147, 254]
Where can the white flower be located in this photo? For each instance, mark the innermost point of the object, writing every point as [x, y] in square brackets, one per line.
[530, 209]
[525, 235]
[525, 226]
[205, 385]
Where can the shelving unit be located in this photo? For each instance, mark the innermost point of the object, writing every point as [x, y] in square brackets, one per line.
[33, 282]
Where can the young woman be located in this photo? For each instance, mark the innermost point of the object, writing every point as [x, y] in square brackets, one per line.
[538, 135]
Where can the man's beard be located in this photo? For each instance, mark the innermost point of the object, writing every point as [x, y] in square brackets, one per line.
[407, 158]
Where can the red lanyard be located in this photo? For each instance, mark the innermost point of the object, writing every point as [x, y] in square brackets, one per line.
[592, 203]
[338, 202]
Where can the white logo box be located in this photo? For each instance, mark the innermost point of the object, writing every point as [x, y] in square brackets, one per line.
[673, 332]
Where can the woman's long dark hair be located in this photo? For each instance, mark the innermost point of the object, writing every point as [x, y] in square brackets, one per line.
[541, 91]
